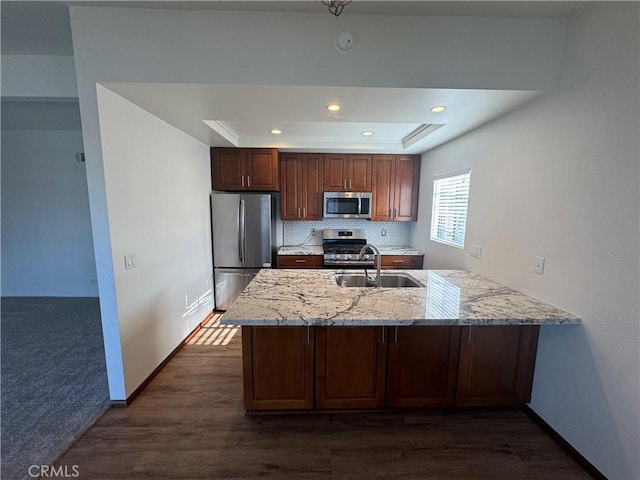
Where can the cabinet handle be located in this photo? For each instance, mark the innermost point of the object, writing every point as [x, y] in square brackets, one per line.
[383, 329]
[248, 181]
[298, 212]
[398, 261]
[350, 183]
[395, 337]
[344, 183]
[301, 260]
[242, 178]
[304, 212]
[469, 335]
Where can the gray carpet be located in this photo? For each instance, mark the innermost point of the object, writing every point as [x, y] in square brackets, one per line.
[54, 381]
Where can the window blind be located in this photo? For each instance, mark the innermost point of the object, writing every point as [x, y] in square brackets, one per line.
[450, 201]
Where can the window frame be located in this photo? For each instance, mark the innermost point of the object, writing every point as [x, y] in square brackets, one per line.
[436, 206]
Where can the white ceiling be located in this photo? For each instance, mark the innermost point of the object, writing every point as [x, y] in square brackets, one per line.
[242, 115]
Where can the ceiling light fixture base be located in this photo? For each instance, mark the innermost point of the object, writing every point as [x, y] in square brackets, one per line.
[336, 6]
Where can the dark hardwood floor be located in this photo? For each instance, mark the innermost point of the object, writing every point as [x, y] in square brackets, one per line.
[189, 423]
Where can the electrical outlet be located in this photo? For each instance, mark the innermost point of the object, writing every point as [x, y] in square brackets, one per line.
[538, 265]
[313, 232]
[476, 251]
[383, 233]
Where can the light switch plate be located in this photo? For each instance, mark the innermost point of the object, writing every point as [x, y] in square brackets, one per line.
[129, 261]
[476, 251]
[538, 265]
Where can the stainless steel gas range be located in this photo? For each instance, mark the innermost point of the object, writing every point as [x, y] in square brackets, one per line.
[342, 248]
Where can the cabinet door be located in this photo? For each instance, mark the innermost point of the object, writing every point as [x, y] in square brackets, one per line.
[496, 365]
[402, 262]
[291, 193]
[227, 169]
[407, 182]
[382, 186]
[262, 169]
[335, 173]
[277, 367]
[311, 192]
[422, 366]
[300, 261]
[350, 367]
[359, 170]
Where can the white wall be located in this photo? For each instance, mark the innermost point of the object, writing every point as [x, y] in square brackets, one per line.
[157, 182]
[47, 248]
[128, 45]
[559, 178]
[37, 76]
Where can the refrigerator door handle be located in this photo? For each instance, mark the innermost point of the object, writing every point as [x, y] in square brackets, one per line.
[243, 236]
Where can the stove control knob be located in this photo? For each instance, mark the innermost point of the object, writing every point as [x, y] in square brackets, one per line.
[349, 257]
[366, 256]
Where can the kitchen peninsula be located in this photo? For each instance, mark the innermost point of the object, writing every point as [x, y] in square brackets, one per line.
[458, 339]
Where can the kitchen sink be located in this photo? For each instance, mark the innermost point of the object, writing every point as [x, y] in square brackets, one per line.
[401, 280]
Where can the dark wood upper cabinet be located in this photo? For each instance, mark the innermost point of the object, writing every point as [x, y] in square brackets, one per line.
[244, 169]
[395, 185]
[227, 169]
[407, 184]
[422, 367]
[496, 365]
[301, 186]
[347, 173]
[383, 187]
[350, 367]
[262, 169]
[278, 367]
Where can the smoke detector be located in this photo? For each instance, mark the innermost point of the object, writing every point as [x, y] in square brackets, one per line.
[345, 42]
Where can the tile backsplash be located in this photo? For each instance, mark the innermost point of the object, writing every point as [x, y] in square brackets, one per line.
[299, 233]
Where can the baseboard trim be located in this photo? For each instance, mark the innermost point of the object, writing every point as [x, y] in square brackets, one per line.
[152, 375]
[566, 446]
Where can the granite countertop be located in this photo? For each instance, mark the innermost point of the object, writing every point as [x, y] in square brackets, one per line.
[317, 250]
[449, 297]
[300, 250]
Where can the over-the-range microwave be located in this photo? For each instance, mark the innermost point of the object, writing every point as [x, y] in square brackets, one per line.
[347, 205]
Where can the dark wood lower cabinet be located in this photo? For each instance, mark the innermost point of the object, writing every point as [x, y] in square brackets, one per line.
[297, 368]
[350, 367]
[278, 367]
[422, 366]
[496, 365]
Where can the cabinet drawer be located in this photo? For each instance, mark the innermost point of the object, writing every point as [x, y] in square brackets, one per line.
[300, 261]
[402, 261]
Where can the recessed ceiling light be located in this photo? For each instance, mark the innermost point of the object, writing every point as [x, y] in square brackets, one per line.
[333, 107]
[438, 109]
[367, 133]
[275, 131]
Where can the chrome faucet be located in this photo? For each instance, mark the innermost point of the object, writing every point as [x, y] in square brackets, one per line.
[376, 282]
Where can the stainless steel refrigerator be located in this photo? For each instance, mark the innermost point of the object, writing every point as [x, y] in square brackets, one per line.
[241, 226]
